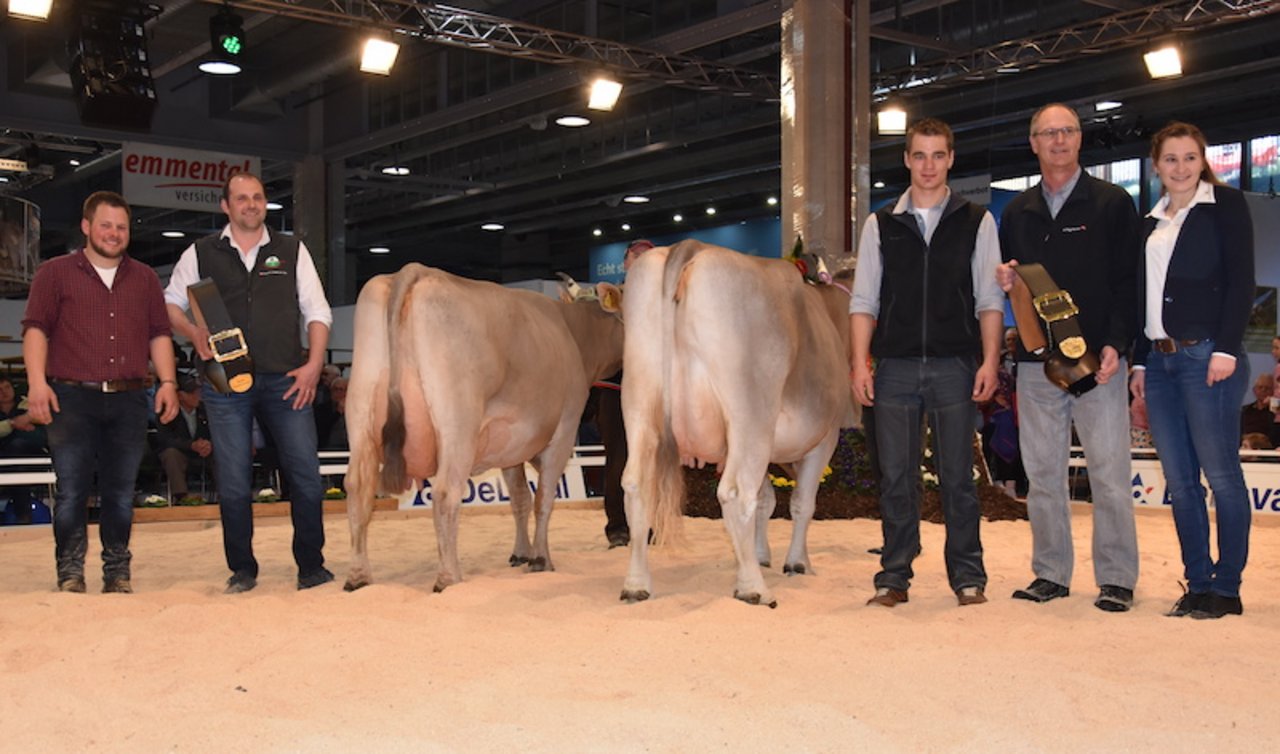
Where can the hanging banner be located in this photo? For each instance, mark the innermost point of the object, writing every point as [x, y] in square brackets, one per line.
[155, 176]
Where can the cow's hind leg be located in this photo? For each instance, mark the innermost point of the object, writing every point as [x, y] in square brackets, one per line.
[639, 584]
[521, 504]
[446, 498]
[359, 513]
[738, 492]
[803, 501]
[764, 512]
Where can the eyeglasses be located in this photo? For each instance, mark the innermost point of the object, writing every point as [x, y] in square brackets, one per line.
[1053, 133]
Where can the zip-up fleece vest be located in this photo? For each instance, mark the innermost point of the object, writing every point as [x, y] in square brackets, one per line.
[262, 302]
[926, 291]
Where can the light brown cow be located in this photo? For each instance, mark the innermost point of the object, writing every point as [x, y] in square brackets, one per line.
[450, 377]
[735, 360]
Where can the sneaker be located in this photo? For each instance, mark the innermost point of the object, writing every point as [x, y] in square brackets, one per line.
[1042, 590]
[239, 582]
[117, 586]
[970, 595]
[1114, 599]
[1188, 603]
[1216, 606]
[73, 584]
[315, 578]
[887, 597]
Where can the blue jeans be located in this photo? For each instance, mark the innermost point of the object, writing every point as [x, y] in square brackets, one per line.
[1046, 413]
[907, 390]
[1196, 427]
[102, 434]
[231, 430]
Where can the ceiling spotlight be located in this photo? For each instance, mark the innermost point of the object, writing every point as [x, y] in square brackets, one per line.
[4, 179]
[626, 227]
[379, 250]
[226, 41]
[73, 163]
[1105, 105]
[711, 210]
[573, 121]
[677, 218]
[597, 232]
[878, 184]
[772, 201]
[636, 199]
[173, 234]
[604, 93]
[395, 170]
[1163, 63]
[891, 120]
[493, 227]
[34, 10]
[274, 206]
[378, 56]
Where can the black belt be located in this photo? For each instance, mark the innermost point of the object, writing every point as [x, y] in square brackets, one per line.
[105, 386]
[1171, 345]
[231, 370]
[1068, 362]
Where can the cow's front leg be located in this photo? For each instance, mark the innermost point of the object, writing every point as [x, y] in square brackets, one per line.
[521, 504]
[444, 512]
[768, 501]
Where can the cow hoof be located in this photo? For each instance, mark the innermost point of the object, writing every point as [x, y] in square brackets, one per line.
[351, 586]
[766, 563]
[754, 599]
[794, 570]
[517, 560]
[634, 596]
[538, 565]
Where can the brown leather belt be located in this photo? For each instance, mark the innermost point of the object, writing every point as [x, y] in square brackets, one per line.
[105, 386]
[1171, 345]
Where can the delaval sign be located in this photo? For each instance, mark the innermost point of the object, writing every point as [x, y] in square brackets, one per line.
[156, 176]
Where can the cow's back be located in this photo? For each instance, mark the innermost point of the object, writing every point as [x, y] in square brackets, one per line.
[754, 345]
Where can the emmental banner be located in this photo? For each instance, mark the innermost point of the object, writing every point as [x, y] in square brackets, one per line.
[156, 176]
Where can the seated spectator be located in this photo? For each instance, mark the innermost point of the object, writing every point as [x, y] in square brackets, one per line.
[1257, 417]
[19, 438]
[336, 439]
[1139, 426]
[185, 440]
[1255, 441]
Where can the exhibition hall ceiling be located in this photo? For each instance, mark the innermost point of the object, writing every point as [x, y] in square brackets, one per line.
[470, 109]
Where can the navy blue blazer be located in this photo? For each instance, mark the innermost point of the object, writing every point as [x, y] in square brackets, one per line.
[1209, 290]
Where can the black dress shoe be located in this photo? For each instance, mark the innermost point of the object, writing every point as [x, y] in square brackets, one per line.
[239, 582]
[315, 578]
[1187, 604]
[1216, 606]
[1042, 590]
[1114, 599]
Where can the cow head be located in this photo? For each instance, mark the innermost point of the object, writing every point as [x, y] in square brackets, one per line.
[607, 294]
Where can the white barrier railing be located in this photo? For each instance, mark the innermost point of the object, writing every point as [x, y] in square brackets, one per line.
[1261, 477]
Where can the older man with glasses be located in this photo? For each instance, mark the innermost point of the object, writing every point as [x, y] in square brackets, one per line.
[1084, 232]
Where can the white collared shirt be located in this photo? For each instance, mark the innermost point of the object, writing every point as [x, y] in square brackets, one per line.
[311, 298]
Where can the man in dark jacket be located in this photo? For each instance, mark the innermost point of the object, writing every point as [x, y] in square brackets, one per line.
[1084, 232]
[925, 304]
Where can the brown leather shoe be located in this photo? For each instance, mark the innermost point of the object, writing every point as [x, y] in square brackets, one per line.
[887, 597]
[970, 595]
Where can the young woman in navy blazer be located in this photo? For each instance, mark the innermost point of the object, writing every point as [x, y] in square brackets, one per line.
[1197, 289]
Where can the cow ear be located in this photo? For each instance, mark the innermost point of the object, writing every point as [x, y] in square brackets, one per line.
[610, 297]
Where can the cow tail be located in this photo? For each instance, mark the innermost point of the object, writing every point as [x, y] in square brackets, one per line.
[668, 495]
[395, 475]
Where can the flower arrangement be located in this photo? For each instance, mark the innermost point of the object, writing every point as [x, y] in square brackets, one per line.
[190, 500]
[266, 495]
[335, 493]
[154, 501]
[783, 482]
